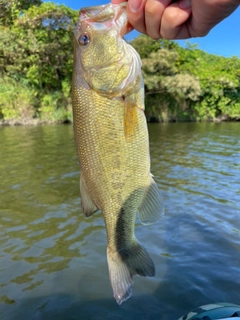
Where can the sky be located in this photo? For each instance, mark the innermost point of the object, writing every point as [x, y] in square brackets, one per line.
[223, 40]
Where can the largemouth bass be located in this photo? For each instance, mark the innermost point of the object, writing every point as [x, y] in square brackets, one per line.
[112, 140]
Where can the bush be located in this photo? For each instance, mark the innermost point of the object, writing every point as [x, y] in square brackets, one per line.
[16, 100]
[53, 108]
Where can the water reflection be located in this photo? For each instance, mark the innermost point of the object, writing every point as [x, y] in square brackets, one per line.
[53, 260]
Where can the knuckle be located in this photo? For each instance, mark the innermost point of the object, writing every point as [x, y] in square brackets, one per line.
[166, 36]
[152, 8]
[153, 16]
[171, 16]
[198, 32]
[154, 37]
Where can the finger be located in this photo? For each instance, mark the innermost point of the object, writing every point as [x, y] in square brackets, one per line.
[174, 20]
[209, 13]
[154, 10]
[129, 28]
[136, 16]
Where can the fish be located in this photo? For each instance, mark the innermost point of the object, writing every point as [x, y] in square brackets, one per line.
[112, 140]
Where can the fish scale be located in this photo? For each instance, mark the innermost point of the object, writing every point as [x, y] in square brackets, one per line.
[102, 146]
[112, 141]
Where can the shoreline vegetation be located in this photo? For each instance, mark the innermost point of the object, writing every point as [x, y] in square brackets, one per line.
[30, 122]
[36, 59]
[37, 122]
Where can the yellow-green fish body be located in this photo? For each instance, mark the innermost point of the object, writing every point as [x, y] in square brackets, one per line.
[112, 140]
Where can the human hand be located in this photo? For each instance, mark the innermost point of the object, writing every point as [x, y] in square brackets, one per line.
[180, 19]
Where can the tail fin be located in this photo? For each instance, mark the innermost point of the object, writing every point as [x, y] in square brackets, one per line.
[123, 265]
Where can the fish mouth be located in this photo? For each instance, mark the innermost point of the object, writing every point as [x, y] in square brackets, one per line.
[100, 13]
[105, 14]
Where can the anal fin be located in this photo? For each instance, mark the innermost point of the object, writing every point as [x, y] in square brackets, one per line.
[151, 209]
[88, 206]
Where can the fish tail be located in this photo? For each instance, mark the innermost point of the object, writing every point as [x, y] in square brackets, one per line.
[123, 265]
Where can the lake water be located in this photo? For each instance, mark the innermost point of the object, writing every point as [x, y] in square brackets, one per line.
[53, 259]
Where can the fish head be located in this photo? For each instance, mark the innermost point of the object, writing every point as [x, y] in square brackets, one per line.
[104, 61]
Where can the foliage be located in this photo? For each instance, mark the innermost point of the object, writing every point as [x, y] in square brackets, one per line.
[36, 58]
[16, 101]
[51, 109]
[36, 52]
[164, 82]
[187, 83]
[10, 9]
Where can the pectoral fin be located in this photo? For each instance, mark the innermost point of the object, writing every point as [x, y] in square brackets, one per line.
[88, 206]
[130, 119]
[151, 208]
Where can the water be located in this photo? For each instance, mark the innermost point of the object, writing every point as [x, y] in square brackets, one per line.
[52, 259]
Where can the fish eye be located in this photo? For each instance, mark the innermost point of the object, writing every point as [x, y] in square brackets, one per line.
[84, 39]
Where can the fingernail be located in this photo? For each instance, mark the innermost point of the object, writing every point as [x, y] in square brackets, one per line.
[185, 4]
[134, 5]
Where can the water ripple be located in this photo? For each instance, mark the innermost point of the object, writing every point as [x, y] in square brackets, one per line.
[53, 259]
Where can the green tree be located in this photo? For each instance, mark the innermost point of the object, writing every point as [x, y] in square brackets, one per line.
[37, 51]
[169, 93]
[10, 9]
[36, 59]
[188, 83]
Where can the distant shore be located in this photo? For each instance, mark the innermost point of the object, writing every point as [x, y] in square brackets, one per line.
[29, 122]
[36, 122]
